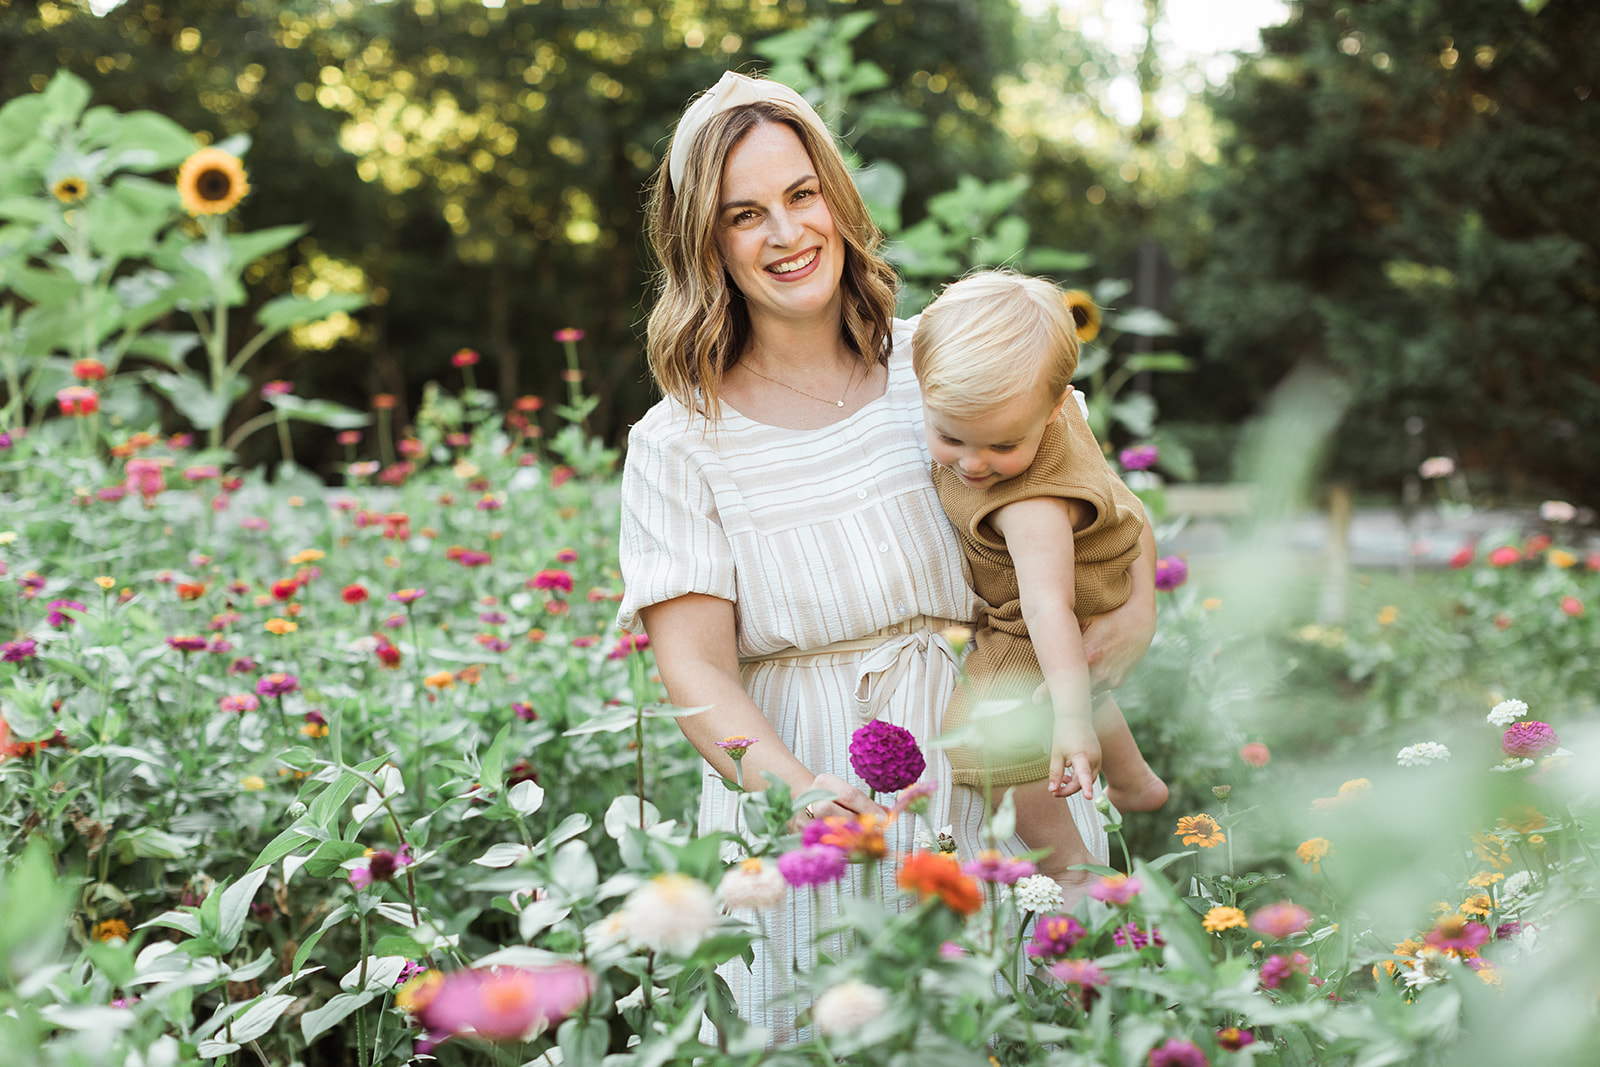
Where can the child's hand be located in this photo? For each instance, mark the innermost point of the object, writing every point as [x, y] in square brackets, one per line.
[1074, 759]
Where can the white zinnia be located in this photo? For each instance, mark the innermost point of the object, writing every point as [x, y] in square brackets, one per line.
[753, 884]
[1557, 511]
[1040, 893]
[1422, 754]
[1511, 763]
[1437, 467]
[848, 1006]
[1515, 885]
[670, 913]
[1507, 712]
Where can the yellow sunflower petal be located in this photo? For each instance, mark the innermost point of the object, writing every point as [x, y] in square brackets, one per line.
[1084, 313]
[212, 182]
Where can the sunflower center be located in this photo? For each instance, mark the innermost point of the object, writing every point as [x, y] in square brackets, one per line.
[214, 184]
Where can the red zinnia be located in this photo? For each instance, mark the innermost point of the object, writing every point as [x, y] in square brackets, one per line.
[285, 589]
[88, 370]
[930, 874]
[354, 593]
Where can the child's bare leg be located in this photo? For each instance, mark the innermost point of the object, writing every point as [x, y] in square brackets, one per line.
[1130, 783]
[1043, 821]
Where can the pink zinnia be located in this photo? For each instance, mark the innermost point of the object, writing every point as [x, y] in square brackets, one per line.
[1504, 556]
[1085, 973]
[567, 555]
[187, 643]
[277, 684]
[408, 596]
[813, 865]
[1178, 1053]
[1116, 889]
[999, 868]
[496, 1003]
[1054, 936]
[629, 644]
[1281, 919]
[1255, 754]
[551, 579]
[1139, 457]
[18, 650]
[886, 756]
[59, 616]
[1529, 738]
[568, 334]
[1129, 935]
[239, 702]
[1458, 934]
[1279, 969]
[380, 866]
[1233, 1039]
[1171, 572]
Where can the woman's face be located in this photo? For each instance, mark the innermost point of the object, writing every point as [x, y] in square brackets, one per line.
[775, 233]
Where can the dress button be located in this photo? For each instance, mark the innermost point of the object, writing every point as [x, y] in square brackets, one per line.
[894, 629]
[861, 494]
[883, 546]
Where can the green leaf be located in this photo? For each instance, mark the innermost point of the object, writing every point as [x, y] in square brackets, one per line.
[147, 140]
[125, 220]
[236, 906]
[167, 346]
[315, 1023]
[245, 248]
[148, 842]
[193, 398]
[65, 98]
[286, 843]
[1145, 322]
[1159, 361]
[321, 412]
[283, 312]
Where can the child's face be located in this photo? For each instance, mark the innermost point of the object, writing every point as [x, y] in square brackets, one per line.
[988, 449]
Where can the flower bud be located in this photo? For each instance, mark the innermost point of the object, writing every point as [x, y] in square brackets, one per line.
[1222, 792]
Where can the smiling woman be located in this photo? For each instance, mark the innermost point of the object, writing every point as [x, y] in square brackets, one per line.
[781, 539]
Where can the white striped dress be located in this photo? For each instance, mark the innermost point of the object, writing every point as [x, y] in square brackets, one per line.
[817, 537]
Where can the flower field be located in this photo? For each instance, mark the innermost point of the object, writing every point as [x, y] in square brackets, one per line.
[364, 774]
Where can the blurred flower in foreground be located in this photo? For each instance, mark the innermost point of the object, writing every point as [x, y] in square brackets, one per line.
[1422, 754]
[1171, 572]
[1437, 467]
[1139, 457]
[1255, 754]
[1281, 919]
[849, 1006]
[1313, 852]
[1529, 738]
[670, 913]
[754, 883]
[1177, 1053]
[936, 874]
[1115, 889]
[813, 865]
[494, 1003]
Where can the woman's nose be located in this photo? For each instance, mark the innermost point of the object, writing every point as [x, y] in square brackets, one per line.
[785, 229]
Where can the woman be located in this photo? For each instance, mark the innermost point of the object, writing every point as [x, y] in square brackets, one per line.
[782, 543]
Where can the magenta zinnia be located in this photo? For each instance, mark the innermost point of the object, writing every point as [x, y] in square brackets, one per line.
[1177, 1053]
[1281, 919]
[1457, 933]
[380, 865]
[813, 865]
[495, 1003]
[1115, 889]
[886, 756]
[277, 684]
[1054, 936]
[1529, 738]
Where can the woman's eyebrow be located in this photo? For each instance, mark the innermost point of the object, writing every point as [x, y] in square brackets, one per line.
[757, 203]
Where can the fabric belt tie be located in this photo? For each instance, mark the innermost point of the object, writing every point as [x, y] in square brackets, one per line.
[886, 665]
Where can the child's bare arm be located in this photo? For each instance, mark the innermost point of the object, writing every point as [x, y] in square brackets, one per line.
[1038, 533]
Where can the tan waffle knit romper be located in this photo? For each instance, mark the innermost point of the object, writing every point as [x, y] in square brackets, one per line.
[1002, 665]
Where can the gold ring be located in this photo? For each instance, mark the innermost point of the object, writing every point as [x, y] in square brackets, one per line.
[809, 813]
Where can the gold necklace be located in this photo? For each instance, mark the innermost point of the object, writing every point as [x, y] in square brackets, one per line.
[849, 385]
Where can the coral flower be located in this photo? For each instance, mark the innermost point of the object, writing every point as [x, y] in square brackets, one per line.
[886, 756]
[239, 703]
[388, 655]
[465, 357]
[568, 334]
[935, 874]
[440, 680]
[1223, 918]
[1255, 754]
[1504, 556]
[147, 477]
[1115, 889]
[78, 400]
[1281, 919]
[860, 838]
[89, 370]
[1085, 314]
[212, 182]
[1200, 830]
[280, 626]
[354, 593]
[495, 1003]
[1463, 557]
[1572, 606]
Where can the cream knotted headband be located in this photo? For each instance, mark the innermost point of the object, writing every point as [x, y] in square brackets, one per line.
[732, 90]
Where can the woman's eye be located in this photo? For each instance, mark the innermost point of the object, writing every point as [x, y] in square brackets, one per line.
[804, 193]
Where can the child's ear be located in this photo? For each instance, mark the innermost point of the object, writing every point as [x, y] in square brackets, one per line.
[1056, 414]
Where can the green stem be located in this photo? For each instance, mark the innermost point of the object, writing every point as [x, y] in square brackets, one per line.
[416, 670]
[284, 441]
[361, 985]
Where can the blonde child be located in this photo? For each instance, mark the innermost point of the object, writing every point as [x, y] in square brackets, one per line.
[1049, 533]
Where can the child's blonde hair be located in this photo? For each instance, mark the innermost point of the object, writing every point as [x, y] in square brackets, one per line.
[990, 338]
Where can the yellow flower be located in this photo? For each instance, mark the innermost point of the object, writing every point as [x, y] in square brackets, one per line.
[1199, 830]
[111, 930]
[105, 582]
[315, 729]
[1211, 603]
[253, 783]
[1442, 908]
[297, 502]
[281, 626]
[1486, 879]
[8, 537]
[1356, 785]
[1561, 559]
[71, 189]
[1536, 840]
[1085, 314]
[1223, 918]
[1489, 975]
[1491, 850]
[310, 555]
[391, 561]
[465, 471]
[1313, 852]
[1388, 615]
[1477, 904]
[212, 182]
[440, 680]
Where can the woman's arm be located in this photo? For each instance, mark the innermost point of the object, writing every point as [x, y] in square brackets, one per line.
[693, 637]
[1115, 642]
[1038, 533]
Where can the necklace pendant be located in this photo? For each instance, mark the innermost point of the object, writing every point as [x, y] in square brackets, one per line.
[838, 403]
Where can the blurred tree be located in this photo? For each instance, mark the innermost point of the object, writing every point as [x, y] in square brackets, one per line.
[1408, 192]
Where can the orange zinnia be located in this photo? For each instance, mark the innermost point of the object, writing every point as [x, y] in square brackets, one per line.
[930, 874]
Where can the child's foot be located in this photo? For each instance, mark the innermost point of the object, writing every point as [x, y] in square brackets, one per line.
[1146, 792]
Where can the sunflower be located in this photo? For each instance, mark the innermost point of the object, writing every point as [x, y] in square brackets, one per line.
[71, 189]
[211, 182]
[1084, 314]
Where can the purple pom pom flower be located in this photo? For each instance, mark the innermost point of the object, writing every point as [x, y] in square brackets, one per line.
[886, 756]
[1139, 457]
[1529, 738]
[813, 865]
[1171, 572]
[1054, 936]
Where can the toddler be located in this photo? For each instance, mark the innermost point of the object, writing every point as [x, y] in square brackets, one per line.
[1049, 533]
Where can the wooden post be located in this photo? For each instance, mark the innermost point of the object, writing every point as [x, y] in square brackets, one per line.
[1334, 604]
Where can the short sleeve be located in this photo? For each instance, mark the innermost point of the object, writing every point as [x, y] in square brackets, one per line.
[672, 542]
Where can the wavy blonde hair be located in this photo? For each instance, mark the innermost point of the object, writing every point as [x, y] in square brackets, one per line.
[698, 324]
[990, 338]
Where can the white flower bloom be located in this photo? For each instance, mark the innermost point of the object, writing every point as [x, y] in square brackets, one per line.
[1422, 754]
[1557, 511]
[1431, 966]
[670, 913]
[1507, 712]
[945, 841]
[1511, 764]
[1437, 467]
[753, 884]
[1040, 893]
[848, 1006]
[1515, 885]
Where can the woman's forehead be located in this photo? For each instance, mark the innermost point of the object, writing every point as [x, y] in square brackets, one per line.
[770, 157]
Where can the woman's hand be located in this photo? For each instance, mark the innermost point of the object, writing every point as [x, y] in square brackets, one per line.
[848, 800]
[1115, 642]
